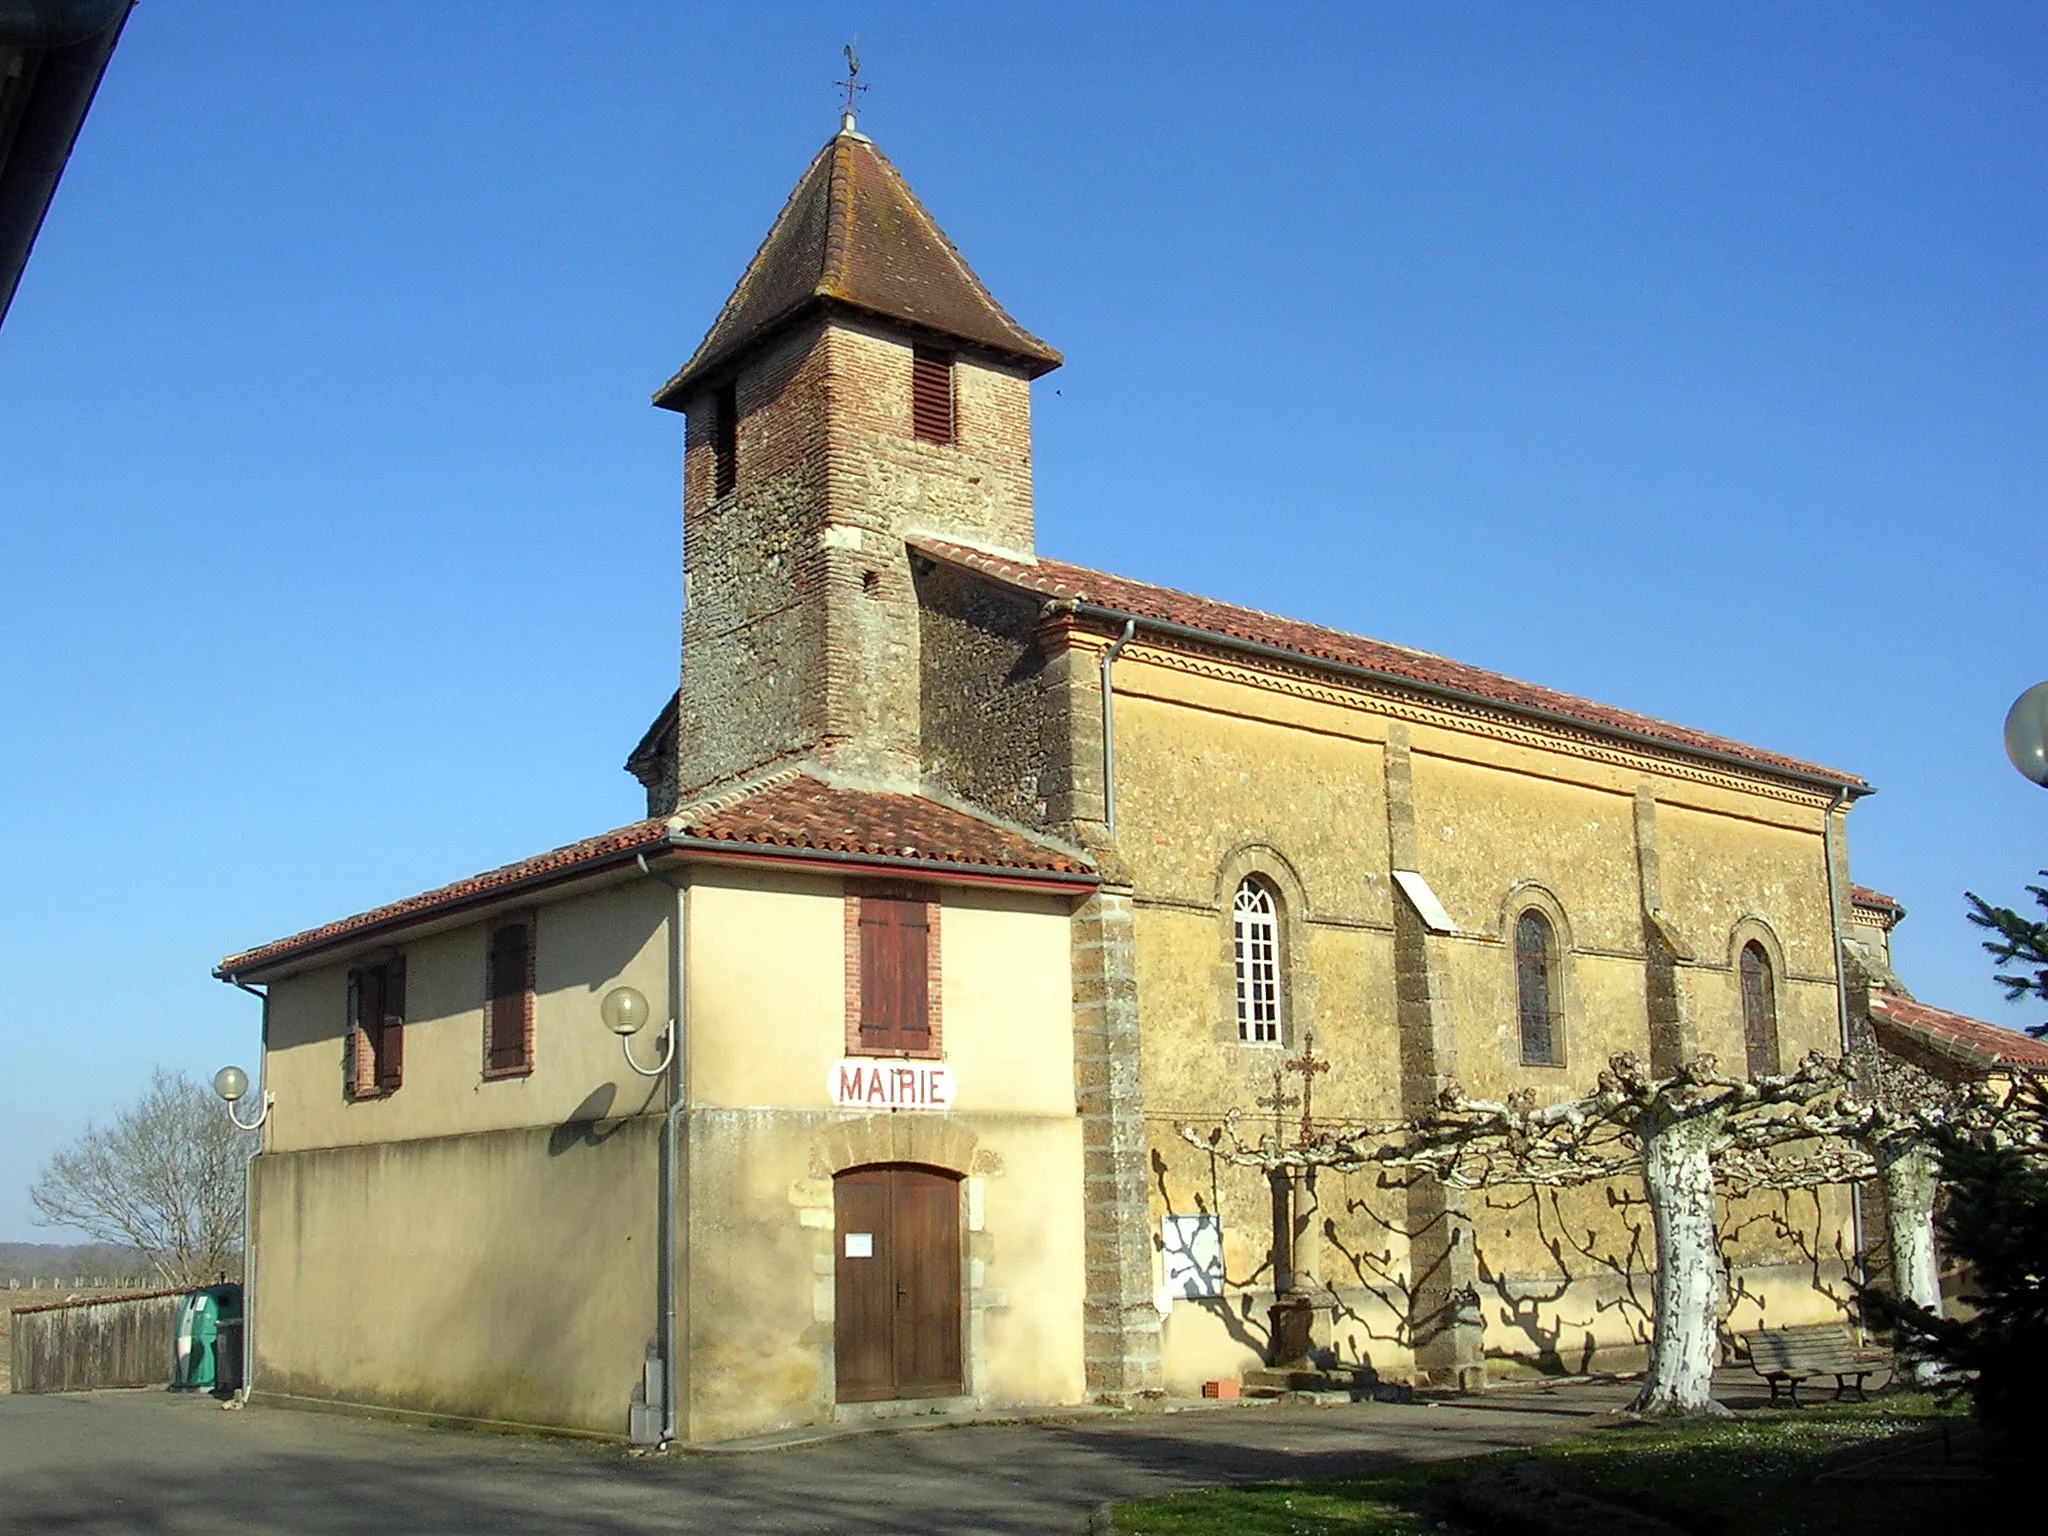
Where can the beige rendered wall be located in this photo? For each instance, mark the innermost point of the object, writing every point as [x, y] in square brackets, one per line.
[1221, 772]
[767, 1020]
[584, 945]
[507, 1276]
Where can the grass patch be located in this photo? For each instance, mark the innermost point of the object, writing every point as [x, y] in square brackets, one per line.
[1757, 1475]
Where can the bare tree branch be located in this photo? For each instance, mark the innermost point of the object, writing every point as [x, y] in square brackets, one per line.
[165, 1177]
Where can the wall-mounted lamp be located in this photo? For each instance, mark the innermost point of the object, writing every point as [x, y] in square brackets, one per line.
[2026, 734]
[625, 1013]
[231, 1083]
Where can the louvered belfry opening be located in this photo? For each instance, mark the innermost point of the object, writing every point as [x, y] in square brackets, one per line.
[931, 395]
[725, 438]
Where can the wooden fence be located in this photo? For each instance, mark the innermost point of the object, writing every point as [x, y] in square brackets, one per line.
[111, 1341]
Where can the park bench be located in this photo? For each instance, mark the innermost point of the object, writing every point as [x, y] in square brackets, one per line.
[1787, 1356]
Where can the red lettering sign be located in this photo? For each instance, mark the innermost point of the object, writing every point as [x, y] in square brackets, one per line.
[854, 1083]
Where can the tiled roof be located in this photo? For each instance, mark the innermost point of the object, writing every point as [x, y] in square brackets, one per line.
[1971, 1041]
[1058, 580]
[800, 812]
[854, 233]
[619, 844]
[790, 815]
[1876, 901]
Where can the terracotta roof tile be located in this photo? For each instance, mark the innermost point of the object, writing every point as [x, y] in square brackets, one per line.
[621, 843]
[800, 812]
[1876, 901]
[854, 233]
[791, 814]
[1057, 579]
[1973, 1041]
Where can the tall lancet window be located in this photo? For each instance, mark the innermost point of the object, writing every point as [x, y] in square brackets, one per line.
[1255, 920]
[1536, 988]
[1759, 1012]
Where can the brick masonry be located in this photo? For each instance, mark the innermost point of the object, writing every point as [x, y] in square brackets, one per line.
[801, 628]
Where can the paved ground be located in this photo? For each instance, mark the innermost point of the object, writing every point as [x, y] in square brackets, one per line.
[149, 1461]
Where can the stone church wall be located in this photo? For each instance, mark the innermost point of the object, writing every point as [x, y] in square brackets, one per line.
[993, 702]
[1223, 773]
[754, 680]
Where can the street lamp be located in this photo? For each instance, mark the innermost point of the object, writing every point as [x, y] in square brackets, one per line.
[231, 1083]
[625, 1012]
[651, 1420]
[2026, 734]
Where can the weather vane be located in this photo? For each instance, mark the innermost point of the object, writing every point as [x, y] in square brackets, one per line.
[851, 84]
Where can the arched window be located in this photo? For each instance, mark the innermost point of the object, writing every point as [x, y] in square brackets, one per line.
[1535, 988]
[1255, 925]
[1759, 1012]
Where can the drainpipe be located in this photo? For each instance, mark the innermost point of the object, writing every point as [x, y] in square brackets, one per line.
[665, 1232]
[1827, 848]
[248, 1194]
[1109, 729]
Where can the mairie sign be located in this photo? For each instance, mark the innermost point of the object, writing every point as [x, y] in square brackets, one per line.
[857, 1082]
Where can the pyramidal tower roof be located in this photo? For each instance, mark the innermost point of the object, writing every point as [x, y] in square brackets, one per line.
[854, 234]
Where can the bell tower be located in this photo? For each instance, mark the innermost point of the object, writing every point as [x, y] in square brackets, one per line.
[860, 386]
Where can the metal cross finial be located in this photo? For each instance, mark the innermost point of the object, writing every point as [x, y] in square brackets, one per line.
[1309, 1066]
[851, 84]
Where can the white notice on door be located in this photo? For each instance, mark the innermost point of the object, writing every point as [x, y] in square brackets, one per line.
[860, 1245]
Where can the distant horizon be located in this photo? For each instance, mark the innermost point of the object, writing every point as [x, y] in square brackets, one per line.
[1687, 362]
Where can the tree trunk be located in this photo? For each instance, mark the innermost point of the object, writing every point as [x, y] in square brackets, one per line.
[1909, 1183]
[1685, 1332]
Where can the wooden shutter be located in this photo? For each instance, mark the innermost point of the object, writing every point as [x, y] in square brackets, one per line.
[391, 1044]
[931, 395]
[895, 946]
[725, 439]
[505, 1021]
[352, 1046]
[369, 1015]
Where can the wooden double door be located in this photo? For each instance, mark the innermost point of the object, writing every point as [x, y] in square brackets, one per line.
[897, 1279]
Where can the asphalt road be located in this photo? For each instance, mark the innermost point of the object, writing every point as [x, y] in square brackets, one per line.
[149, 1461]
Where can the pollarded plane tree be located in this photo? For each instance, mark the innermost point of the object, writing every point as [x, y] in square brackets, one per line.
[1673, 1133]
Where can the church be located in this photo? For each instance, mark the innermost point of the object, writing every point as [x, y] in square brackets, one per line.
[968, 878]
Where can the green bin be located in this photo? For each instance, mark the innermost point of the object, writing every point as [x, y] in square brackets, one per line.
[208, 1340]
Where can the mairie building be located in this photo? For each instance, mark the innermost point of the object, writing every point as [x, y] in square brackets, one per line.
[967, 877]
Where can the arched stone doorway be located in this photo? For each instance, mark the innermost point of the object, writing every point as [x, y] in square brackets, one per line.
[897, 1280]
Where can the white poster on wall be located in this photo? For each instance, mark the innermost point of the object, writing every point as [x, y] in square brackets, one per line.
[1193, 1248]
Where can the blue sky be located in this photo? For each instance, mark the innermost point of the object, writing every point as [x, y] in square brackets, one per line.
[1687, 358]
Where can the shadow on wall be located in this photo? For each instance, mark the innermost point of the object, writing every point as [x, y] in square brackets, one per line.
[532, 1303]
[584, 1127]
